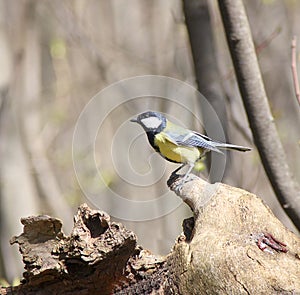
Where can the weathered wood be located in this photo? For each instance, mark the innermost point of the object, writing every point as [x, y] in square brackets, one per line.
[223, 256]
[98, 257]
[230, 246]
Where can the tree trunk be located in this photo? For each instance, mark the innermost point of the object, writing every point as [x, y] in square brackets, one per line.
[198, 24]
[257, 107]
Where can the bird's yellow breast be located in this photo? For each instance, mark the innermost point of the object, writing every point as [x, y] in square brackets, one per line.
[176, 153]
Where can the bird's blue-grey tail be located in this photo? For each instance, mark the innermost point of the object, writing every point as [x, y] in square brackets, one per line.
[228, 146]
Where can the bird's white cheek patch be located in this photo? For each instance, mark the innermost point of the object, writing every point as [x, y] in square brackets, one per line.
[151, 122]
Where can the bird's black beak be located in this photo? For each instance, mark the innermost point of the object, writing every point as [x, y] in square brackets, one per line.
[134, 120]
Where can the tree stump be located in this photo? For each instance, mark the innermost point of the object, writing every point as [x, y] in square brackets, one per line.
[232, 245]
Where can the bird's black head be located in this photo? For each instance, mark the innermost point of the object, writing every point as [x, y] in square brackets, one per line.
[151, 121]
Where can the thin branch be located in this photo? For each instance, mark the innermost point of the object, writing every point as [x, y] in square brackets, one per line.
[258, 49]
[265, 43]
[294, 68]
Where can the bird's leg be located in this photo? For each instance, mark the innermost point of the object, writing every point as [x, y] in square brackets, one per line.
[183, 180]
[179, 168]
[191, 166]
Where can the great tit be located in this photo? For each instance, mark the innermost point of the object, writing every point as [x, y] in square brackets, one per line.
[178, 144]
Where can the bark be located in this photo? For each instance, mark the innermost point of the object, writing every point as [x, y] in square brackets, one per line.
[217, 253]
[258, 110]
[223, 256]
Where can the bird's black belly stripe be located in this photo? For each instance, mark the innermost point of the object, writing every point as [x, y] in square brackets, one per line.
[150, 136]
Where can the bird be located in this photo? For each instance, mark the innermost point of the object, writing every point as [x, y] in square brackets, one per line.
[178, 144]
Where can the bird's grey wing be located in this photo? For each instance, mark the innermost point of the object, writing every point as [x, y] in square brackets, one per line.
[193, 139]
[222, 145]
[169, 136]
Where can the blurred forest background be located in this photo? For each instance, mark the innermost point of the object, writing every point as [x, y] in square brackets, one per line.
[56, 55]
